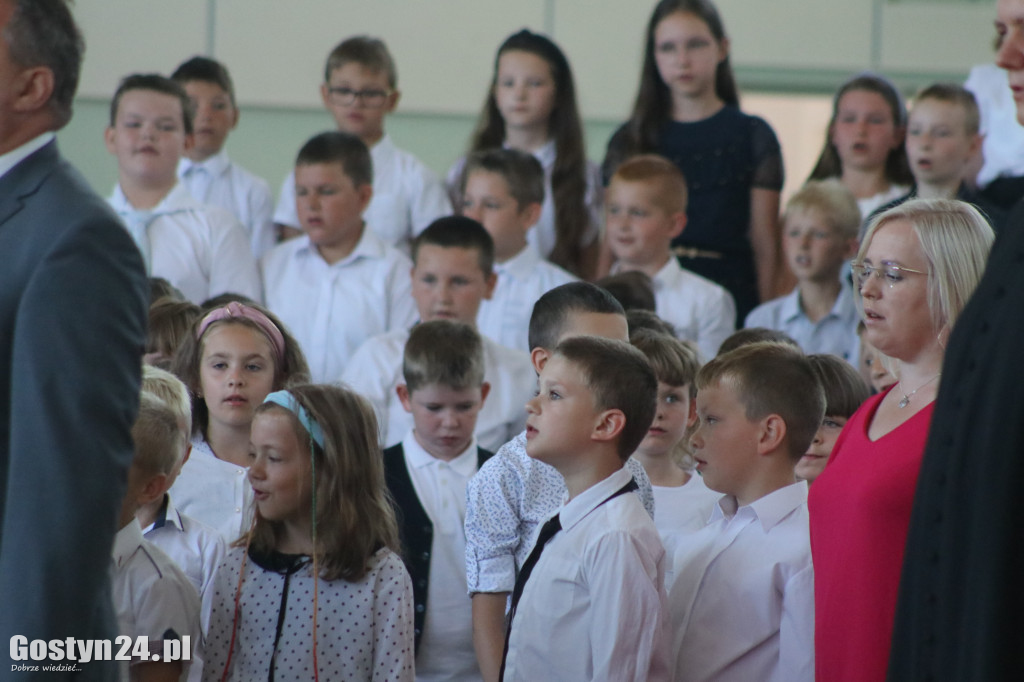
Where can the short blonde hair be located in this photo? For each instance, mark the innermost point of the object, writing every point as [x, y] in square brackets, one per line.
[660, 173]
[832, 200]
[171, 390]
[159, 442]
[956, 240]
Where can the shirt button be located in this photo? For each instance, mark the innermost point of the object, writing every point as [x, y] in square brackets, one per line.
[237, 510]
[419, 608]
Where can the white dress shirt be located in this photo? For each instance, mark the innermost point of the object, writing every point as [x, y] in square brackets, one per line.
[152, 595]
[542, 236]
[594, 607]
[836, 333]
[376, 369]
[700, 310]
[215, 492]
[1003, 144]
[219, 181]
[446, 646]
[407, 196]
[332, 309]
[507, 501]
[202, 250]
[746, 585]
[522, 279]
[196, 548]
[682, 510]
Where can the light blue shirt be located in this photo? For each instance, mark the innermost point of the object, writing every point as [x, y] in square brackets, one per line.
[836, 333]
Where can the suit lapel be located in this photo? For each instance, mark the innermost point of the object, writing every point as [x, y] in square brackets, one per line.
[25, 179]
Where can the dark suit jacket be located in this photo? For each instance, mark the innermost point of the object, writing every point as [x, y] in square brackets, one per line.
[73, 301]
[962, 594]
[415, 528]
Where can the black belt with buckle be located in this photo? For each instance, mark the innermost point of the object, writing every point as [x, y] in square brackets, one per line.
[693, 252]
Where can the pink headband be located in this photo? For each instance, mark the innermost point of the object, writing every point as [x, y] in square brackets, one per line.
[235, 309]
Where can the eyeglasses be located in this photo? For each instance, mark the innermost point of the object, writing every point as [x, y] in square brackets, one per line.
[890, 272]
[346, 96]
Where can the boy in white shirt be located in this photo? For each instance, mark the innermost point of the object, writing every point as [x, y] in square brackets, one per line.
[359, 90]
[589, 602]
[152, 596]
[202, 250]
[340, 284]
[503, 189]
[819, 235]
[645, 209]
[195, 547]
[453, 270]
[427, 473]
[742, 605]
[210, 176]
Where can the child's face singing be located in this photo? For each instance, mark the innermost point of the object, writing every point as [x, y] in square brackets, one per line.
[524, 90]
[148, 137]
[279, 471]
[670, 421]
[236, 372]
[814, 250]
[938, 144]
[448, 283]
[360, 114]
[444, 418]
[330, 206]
[562, 416]
[687, 55]
[487, 200]
[725, 442]
[215, 117]
[637, 228]
[864, 131]
[813, 463]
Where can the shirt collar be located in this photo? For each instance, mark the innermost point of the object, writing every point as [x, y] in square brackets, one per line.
[168, 515]
[770, 509]
[520, 265]
[382, 147]
[546, 154]
[665, 277]
[368, 246]
[178, 199]
[590, 499]
[791, 308]
[463, 464]
[126, 542]
[214, 165]
[12, 158]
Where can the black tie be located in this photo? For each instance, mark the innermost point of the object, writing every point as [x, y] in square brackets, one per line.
[547, 531]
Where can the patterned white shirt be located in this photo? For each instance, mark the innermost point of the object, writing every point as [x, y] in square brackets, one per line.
[219, 181]
[506, 503]
[365, 628]
[407, 196]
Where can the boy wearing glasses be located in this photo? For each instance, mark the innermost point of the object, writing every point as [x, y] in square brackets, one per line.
[819, 234]
[359, 90]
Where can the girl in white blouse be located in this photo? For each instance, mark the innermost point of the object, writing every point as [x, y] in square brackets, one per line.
[314, 591]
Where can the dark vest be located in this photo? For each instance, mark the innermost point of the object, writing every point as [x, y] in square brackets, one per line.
[414, 527]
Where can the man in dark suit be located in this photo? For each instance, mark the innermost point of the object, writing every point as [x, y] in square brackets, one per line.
[72, 326]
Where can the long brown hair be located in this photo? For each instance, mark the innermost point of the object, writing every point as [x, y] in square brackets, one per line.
[354, 516]
[569, 176]
[653, 105]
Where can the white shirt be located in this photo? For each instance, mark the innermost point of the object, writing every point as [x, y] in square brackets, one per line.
[407, 196]
[869, 204]
[746, 585]
[196, 548]
[700, 310]
[594, 607]
[202, 250]
[522, 279]
[1004, 136]
[219, 181]
[152, 595]
[214, 492]
[682, 510]
[542, 236]
[365, 631]
[12, 158]
[446, 645]
[376, 369]
[507, 501]
[836, 333]
[332, 309]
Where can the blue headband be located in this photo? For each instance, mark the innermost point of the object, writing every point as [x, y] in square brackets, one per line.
[288, 402]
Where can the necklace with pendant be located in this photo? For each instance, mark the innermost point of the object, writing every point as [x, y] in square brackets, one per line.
[905, 400]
